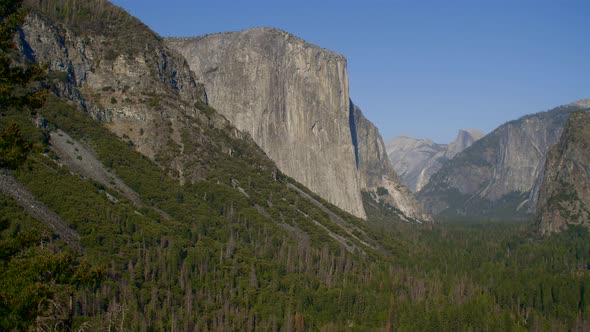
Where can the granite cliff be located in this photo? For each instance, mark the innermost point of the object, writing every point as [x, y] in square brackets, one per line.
[293, 99]
[416, 160]
[564, 194]
[499, 175]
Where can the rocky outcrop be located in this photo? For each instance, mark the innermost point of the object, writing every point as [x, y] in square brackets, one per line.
[101, 63]
[376, 174]
[143, 91]
[498, 173]
[416, 160]
[564, 194]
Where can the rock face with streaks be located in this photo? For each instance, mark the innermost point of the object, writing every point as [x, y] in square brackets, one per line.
[416, 160]
[498, 176]
[293, 99]
[564, 194]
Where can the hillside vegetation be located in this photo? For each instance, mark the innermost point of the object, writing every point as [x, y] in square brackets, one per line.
[223, 263]
[243, 247]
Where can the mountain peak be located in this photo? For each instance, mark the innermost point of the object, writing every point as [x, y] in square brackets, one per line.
[465, 137]
[477, 134]
[417, 159]
[261, 36]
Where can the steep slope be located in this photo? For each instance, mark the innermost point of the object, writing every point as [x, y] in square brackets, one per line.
[154, 102]
[78, 159]
[497, 176]
[195, 225]
[293, 98]
[564, 195]
[376, 174]
[10, 187]
[416, 160]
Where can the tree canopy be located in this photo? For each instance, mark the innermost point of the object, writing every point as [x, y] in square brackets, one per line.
[20, 86]
[17, 80]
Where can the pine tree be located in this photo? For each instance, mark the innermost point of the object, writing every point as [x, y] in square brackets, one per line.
[19, 84]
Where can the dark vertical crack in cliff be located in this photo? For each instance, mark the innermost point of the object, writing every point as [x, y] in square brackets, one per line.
[353, 133]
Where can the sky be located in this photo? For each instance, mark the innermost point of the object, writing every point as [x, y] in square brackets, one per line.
[420, 68]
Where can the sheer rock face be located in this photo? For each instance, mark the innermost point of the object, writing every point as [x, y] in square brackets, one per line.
[564, 195]
[416, 160]
[504, 167]
[293, 99]
[375, 170]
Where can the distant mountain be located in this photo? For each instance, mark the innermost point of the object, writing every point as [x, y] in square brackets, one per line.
[499, 175]
[465, 138]
[416, 160]
[564, 194]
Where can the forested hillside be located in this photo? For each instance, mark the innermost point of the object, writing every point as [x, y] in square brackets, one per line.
[235, 244]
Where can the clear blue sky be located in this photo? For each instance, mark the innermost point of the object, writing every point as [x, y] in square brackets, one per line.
[421, 68]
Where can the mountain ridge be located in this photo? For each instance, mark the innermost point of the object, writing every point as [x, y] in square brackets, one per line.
[499, 172]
